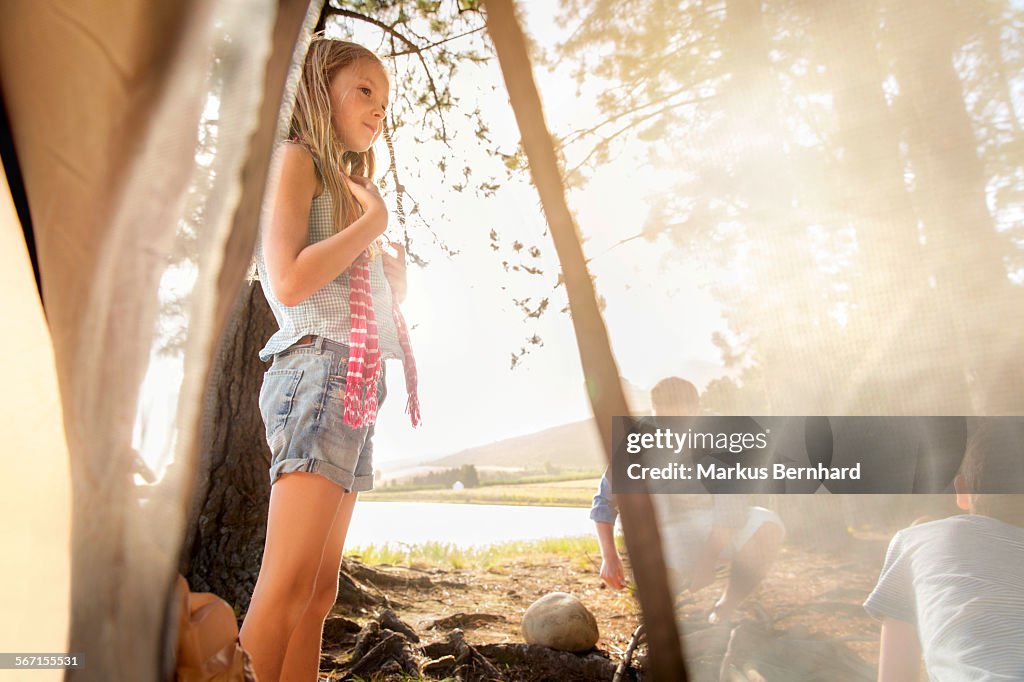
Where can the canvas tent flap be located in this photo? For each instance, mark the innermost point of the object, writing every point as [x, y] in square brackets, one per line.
[36, 506]
[136, 192]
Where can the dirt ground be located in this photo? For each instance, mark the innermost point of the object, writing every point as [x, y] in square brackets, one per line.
[811, 594]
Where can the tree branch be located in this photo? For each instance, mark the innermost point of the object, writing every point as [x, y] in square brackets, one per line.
[634, 122]
[579, 134]
[440, 42]
[331, 10]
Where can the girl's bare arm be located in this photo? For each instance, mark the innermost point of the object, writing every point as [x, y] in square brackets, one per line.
[295, 268]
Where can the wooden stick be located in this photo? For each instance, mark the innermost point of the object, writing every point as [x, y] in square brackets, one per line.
[620, 672]
[599, 367]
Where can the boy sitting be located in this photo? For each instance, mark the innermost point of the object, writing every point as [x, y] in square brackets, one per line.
[725, 527]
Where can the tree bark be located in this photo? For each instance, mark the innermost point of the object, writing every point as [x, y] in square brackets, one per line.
[965, 252]
[228, 518]
[787, 309]
[895, 321]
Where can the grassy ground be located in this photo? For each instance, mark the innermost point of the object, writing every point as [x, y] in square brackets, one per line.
[832, 557]
[812, 592]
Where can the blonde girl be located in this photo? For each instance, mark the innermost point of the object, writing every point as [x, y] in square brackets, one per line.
[334, 293]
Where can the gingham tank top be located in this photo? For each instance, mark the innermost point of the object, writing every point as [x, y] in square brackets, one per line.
[326, 313]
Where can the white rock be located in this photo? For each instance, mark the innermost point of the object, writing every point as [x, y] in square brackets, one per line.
[560, 621]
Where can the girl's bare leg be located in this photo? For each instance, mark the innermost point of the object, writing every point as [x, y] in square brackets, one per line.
[302, 662]
[302, 511]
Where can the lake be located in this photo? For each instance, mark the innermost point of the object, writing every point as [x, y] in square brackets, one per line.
[463, 525]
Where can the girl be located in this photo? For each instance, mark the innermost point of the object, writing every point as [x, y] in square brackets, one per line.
[334, 293]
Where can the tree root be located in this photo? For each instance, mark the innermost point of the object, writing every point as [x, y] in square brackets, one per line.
[339, 631]
[382, 647]
[387, 645]
[390, 654]
[750, 651]
[385, 579]
[355, 596]
[541, 663]
[465, 620]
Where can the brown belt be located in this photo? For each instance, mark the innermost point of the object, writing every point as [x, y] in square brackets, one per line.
[308, 338]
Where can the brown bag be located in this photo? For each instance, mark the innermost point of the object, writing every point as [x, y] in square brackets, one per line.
[208, 648]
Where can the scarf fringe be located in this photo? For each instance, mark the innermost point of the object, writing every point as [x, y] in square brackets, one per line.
[353, 415]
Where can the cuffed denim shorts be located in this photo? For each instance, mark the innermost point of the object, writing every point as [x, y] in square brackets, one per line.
[302, 402]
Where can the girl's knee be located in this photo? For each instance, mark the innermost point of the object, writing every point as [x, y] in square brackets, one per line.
[323, 600]
[287, 587]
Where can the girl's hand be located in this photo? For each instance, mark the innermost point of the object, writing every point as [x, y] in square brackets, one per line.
[366, 193]
[394, 270]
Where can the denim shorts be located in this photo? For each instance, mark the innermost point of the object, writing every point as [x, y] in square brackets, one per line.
[302, 402]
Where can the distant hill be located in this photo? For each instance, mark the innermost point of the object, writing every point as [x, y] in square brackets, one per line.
[569, 446]
[576, 445]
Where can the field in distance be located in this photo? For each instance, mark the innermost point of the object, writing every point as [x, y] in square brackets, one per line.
[560, 492]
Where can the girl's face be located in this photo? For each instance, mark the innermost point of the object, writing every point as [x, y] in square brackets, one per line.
[359, 99]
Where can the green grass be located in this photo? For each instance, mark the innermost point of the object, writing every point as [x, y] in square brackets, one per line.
[564, 476]
[492, 558]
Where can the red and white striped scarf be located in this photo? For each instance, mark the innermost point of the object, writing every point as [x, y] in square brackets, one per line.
[365, 364]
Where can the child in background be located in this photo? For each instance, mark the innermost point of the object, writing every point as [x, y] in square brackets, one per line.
[696, 539]
[952, 590]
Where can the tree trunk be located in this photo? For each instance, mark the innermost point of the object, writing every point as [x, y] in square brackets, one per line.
[599, 367]
[965, 251]
[228, 514]
[787, 307]
[895, 321]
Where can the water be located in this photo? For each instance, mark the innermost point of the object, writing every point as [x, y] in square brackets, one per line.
[463, 525]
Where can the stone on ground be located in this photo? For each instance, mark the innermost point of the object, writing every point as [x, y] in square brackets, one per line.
[560, 621]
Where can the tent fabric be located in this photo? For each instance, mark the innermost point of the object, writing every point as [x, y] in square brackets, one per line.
[110, 106]
[35, 564]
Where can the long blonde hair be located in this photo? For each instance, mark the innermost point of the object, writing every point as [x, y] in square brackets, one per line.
[311, 123]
